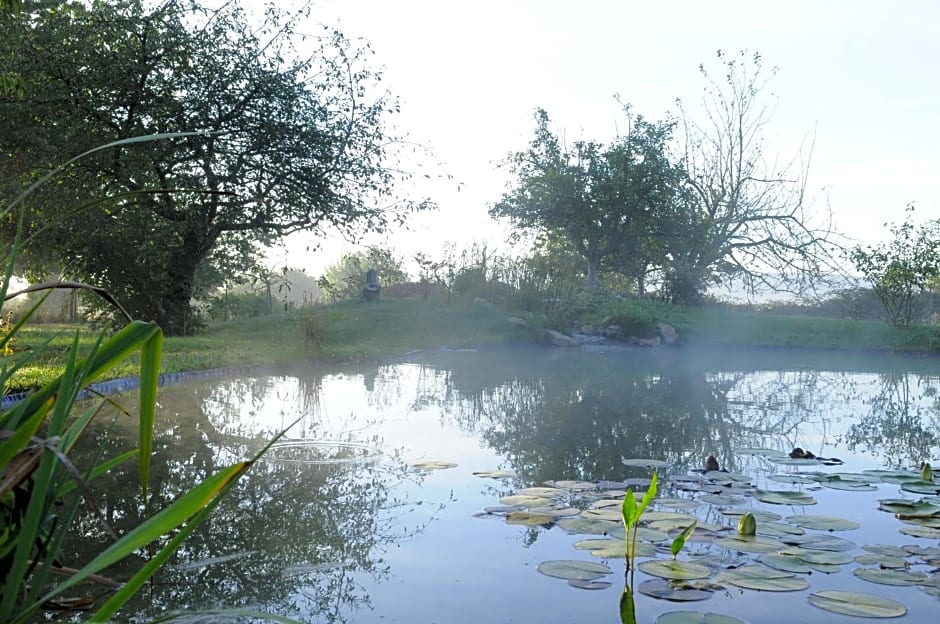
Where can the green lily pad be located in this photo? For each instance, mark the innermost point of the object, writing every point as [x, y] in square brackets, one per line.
[675, 591]
[570, 569]
[655, 516]
[527, 518]
[750, 543]
[614, 548]
[722, 499]
[760, 516]
[924, 521]
[778, 529]
[918, 509]
[827, 557]
[645, 463]
[433, 465]
[521, 500]
[921, 487]
[892, 476]
[857, 604]
[763, 578]
[587, 525]
[786, 563]
[574, 485]
[677, 503]
[608, 513]
[784, 497]
[890, 577]
[542, 492]
[495, 474]
[823, 523]
[849, 486]
[886, 550]
[882, 561]
[819, 542]
[920, 531]
[556, 512]
[672, 569]
[588, 584]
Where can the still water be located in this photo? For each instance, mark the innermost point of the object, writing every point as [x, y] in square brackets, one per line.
[339, 526]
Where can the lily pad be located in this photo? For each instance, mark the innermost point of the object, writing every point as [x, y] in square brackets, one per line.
[722, 499]
[655, 516]
[760, 516]
[574, 485]
[750, 543]
[433, 465]
[882, 561]
[819, 542]
[557, 512]
[890, 577]
[676, 591]
[785, 497]
[921, 487]
[570, 569]
[521, 500]
[644, 463]
[588, 584]
[587, 525]
[677, 503]
[912, 509]
[527, 518]
[827, 557]
[787, 563]
[672, 569]
[823, 523]
[920, 531]
[614, 548]
[857, 604]
[849, 486]
[542, 492]
[610, 514]
[763, 578]
[790, 478]
[696, 617]
[778, 529]
[495, 474]
[886, 550]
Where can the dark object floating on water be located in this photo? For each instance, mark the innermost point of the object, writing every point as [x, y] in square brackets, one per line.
[711, 464]
[798, 453]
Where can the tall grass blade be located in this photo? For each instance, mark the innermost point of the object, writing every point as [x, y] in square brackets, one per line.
[149, 376]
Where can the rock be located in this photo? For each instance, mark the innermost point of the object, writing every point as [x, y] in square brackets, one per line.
[655, 341]
[613, 331]
[668, 333]
[518, 321]
[559, 339]
[588, 339]
[587, 330]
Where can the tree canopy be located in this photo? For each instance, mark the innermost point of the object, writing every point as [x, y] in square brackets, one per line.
[264, 131]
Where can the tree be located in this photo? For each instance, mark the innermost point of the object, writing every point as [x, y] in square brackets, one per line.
[901, 269]
[601, 199]
[742, 214]
[348, 276]
[263, 140]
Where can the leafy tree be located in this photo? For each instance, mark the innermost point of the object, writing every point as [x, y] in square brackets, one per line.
[742, 214]
[901, 269]
[348, 276]
[261, 141]
[603, 199]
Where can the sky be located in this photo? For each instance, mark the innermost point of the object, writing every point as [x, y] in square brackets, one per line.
[857, 79]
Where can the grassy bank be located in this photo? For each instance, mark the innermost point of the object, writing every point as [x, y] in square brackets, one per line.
[350, 331]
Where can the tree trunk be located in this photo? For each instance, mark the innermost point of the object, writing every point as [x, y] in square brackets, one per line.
[592, 273]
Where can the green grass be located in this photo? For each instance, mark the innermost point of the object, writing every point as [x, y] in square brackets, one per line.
[350, 331]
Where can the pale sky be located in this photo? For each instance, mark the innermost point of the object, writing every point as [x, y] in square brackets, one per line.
[862, 76]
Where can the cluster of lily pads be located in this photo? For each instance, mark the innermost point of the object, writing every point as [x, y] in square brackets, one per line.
[779, 556]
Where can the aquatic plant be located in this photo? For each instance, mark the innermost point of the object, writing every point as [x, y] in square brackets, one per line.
[632, 511]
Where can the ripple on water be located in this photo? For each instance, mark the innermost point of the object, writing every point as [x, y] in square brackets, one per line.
[321, 452]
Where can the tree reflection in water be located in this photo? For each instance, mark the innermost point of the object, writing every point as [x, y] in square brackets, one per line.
[294, 538]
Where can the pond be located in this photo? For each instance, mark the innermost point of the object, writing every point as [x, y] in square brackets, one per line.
[383, 503]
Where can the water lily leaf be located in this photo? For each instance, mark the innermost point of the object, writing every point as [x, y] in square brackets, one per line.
[857, 604]
[921, 551]
[823, 523]
[892, 476]
[677, 570]
[542, 492]
[787, 563]
[850, 486]
[924, 521]
[790, 478]
[750, 543]
[763, 578]
[920, 531]
[495, 474]
[574, 485]
[571, 569]
[722, 499]
[609, 513]
[501, 510]
[760, 516]
[791, 461]
[557, 512]
[778, 529]
[607, 503]
[696, 617]
[882, 561]
[734, 477]
[676, 591]
[919, 509]
[921, 487]
[886, 550]
[588, 525]
[819, 542]
[656, 516]
[588, 584]
[521, 500]
[827, 557]
[784, 497]
[433, 465]
[614, 548]
[527, 518]
[890, 577]
[677, 503]
[644, 463]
